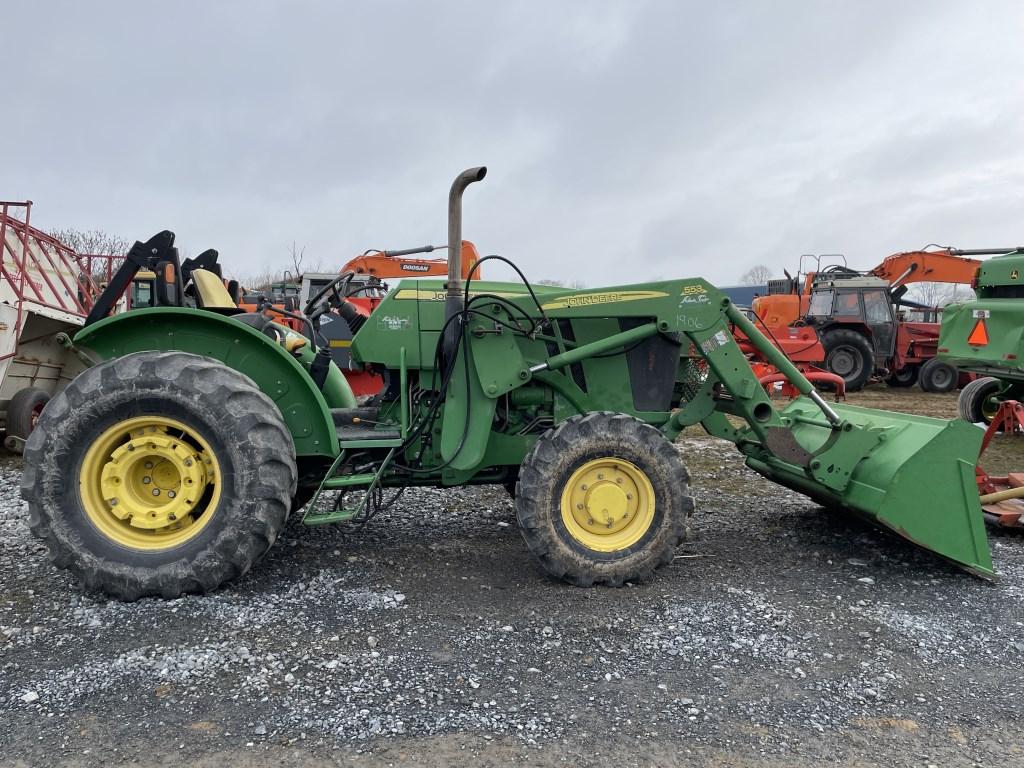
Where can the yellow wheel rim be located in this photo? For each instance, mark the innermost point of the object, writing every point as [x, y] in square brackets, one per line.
[608, 504]
[989, 408]
[149, 483]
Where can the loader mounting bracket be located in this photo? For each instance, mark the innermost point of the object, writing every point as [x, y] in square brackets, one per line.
[781, 442]
[833, 464]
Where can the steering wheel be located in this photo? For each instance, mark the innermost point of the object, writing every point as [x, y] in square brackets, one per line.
[332, 288]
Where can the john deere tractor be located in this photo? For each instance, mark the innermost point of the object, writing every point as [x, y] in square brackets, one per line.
[172, 463]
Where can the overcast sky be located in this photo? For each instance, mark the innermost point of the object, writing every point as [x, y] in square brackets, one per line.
[624, 141]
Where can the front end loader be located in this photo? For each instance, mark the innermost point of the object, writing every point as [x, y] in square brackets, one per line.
[172, 463]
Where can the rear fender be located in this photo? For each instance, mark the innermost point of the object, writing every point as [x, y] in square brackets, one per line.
[240, 347]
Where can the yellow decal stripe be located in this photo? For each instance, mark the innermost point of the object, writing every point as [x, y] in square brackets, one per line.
[411, 293]
[606, 297]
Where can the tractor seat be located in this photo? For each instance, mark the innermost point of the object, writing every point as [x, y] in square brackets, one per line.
[210, 291]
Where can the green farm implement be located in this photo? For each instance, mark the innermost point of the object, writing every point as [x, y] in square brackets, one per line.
[986, 337]
[171, 464]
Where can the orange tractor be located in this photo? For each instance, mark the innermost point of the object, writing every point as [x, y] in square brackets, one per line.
[859, 316]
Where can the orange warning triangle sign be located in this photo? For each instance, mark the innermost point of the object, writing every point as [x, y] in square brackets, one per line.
[979, 334]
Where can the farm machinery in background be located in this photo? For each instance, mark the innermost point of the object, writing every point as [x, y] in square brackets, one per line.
[172, 463]
[352, 299]
[860, 317]
[327, 307]
[986, 337]
[45, 289]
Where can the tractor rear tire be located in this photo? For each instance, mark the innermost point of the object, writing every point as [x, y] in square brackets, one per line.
[972, 405]
[849, 354]
[602, 499]
[159, 473]
[23, 411]
[937, 376]
[904, 377]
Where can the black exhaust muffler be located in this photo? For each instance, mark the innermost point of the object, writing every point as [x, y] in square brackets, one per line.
[454, 299]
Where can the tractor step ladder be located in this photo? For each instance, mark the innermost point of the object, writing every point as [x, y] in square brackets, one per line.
[356, 428]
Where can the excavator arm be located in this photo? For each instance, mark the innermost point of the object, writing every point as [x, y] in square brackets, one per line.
[948, 265]
[385, 264]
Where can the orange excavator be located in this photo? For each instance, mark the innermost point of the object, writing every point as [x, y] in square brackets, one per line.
[385, 264]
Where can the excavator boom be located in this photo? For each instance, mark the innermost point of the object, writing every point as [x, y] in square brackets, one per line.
[943, 266]
[385, 264]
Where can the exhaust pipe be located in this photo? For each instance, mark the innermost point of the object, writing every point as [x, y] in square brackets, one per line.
[454, 298]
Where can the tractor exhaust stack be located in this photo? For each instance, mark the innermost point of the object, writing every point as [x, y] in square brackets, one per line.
[453, 300]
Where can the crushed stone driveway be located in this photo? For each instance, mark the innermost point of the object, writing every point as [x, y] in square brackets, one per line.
[783, 635]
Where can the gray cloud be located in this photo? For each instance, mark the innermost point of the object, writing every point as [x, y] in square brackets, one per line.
[625, 140]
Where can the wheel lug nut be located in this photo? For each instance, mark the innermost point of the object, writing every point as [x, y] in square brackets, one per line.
[171, 494]
[188, 462]
[156, 491]
[590, 521]
[579, 506]
[172, 517]
[629, 496]
[148, 465]
[113, 502]
[600, 477]
[147, 479]
[618, 480]
[583, 487]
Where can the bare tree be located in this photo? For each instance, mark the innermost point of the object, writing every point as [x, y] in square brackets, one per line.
[938, 294]
[756, 275]
[299, 262]
[94, 242]
[297, 255]
[262, 280]
[91, 241]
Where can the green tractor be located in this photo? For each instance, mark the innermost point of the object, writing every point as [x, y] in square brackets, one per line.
[171, 464]
[986, 337]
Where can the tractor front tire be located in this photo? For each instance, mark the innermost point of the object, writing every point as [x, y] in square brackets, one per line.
[850, 355]
[23, 411]
[602, 499]
[937, 376]
[974, 404]
[158, 473]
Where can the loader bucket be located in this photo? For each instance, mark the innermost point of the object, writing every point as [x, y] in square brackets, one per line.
[919, 481]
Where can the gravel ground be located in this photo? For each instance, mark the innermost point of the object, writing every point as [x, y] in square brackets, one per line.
[782, 636]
